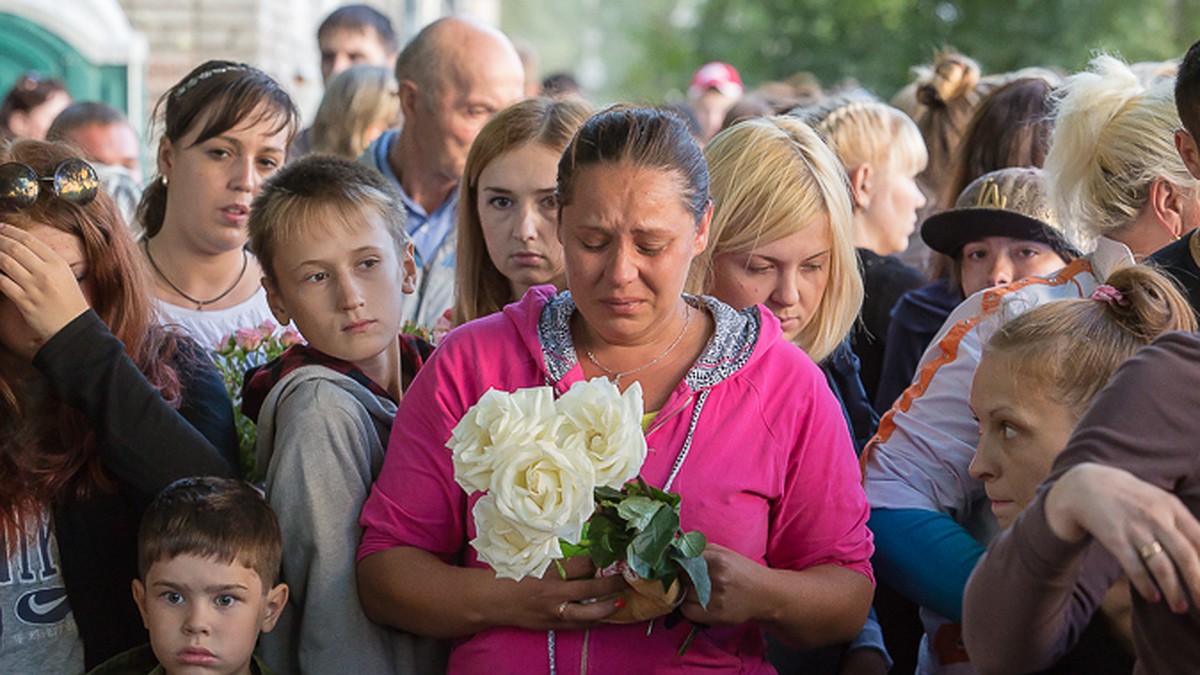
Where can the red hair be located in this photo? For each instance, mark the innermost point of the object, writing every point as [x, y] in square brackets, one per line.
[47, 450]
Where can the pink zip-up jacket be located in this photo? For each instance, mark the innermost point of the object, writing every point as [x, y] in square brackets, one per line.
[769, 472]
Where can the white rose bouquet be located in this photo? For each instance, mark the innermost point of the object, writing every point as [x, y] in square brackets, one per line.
[559, 477]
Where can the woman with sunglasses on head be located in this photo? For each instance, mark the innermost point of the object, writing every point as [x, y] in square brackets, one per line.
[226, 129]
[100, 408]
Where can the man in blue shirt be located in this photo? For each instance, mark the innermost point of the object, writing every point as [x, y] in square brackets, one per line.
[453, 76]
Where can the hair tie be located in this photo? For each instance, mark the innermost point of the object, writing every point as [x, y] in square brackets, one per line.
[1109, 295]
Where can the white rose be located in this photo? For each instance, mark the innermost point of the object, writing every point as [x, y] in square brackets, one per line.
[608, 424]
[512, 550]
[498, 418]
[544, 487]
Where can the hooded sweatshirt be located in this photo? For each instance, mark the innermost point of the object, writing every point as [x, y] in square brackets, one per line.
[756, 441]
[321, 431]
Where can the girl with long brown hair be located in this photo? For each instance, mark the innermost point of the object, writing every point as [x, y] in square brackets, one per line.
[100, 408]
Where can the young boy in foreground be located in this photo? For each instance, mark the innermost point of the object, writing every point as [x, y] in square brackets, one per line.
[208, 557]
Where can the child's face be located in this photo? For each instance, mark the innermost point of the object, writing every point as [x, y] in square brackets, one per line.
[204, 616]
[343, 286]
[995, 261]
[1021, 432]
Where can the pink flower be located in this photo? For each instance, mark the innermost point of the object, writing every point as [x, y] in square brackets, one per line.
[443, 325]
[225, 341]
[290, 337]
[248, 338]
[267, 328]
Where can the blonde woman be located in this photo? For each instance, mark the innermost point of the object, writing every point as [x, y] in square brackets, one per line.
[882, 153]
[781, 237]
[508, 210]
[360, 103]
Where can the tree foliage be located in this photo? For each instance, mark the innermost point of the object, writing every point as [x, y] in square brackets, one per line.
[650, 48]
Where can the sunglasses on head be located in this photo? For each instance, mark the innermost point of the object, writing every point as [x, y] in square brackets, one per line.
[73, 180]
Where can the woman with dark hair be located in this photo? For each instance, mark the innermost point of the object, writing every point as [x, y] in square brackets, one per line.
[769, 479]
[1010, 129]
[226, 129]
[31, 106]
[508, 213]
[100, 408]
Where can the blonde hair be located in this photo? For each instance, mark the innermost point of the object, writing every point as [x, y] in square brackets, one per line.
[1071, 348]
[480, 288]
[770, 178]
[355, 99]
[865, 131]
[1112, 138]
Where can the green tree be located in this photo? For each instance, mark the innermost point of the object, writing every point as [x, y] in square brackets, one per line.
[650, 48]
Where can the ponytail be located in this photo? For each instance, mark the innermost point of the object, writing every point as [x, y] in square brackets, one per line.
[1073, 347]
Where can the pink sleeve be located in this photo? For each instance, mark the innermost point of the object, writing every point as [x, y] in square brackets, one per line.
[415, 501]
[821, 516]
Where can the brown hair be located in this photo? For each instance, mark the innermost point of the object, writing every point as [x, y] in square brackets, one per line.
[219, 95]
[317, 191]
[47, 449]
[1071, 348]
[480, 287]
[219, 518]
[947, 95]
[1010, 128]
[644, 137]
[30, 91]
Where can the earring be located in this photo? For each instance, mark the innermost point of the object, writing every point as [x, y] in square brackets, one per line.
[164, 181]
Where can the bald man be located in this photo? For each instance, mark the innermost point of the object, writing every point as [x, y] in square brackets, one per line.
[453, 77]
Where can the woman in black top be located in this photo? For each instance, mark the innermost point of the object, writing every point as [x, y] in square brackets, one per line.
[100, 408]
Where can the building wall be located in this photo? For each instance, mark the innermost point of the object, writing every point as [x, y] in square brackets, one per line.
[278, 36]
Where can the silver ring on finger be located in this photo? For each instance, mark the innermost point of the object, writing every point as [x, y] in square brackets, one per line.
[1150, 550]
[562, 609]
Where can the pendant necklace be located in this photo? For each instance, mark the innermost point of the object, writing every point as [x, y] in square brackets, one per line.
[616, 377]
[200, 304]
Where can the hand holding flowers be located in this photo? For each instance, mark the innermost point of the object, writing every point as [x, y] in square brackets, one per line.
[557, 474]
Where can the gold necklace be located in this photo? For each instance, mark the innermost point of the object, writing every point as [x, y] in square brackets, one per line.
[199, 303]
[616, 377]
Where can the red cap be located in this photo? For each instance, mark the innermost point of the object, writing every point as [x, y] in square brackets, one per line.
[716, 75]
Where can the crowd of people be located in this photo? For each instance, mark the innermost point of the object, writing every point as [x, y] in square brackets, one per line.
[923, 371]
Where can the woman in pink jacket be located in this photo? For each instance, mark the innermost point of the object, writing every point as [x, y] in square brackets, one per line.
[741, 424]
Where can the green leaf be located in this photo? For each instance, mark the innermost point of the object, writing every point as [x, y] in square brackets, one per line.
[638, 511]
[650, 546]
[570, 550]
[696, 568]
[604, 493]
[690, 544]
